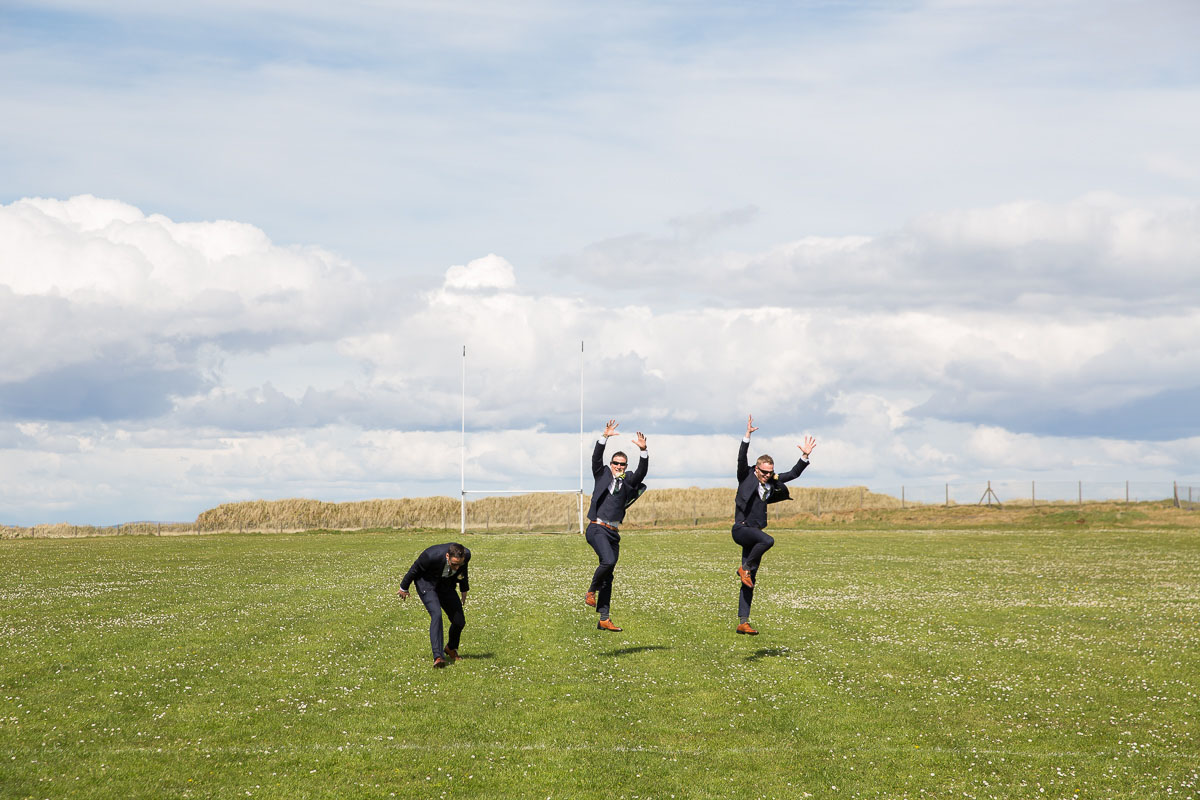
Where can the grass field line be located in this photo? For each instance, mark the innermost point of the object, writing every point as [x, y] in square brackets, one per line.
[790, 747]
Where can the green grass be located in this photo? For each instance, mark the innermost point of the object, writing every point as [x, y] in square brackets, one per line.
[978, 664]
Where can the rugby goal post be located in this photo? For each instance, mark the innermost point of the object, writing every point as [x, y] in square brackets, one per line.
[464, 491]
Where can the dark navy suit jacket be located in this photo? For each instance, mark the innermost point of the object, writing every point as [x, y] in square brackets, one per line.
[611, 507]
[430, 565]
[749, 508]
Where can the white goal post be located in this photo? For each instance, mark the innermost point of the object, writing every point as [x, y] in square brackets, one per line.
[463, 455]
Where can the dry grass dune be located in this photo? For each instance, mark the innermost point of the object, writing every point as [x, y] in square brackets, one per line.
[853, 506]
[548, 512]
[63, 530]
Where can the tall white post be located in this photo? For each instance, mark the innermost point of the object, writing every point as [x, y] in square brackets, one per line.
[462, 502]
[581, 436]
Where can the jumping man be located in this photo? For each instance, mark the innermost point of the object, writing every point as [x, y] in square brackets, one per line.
[615, 491]
[757, 488]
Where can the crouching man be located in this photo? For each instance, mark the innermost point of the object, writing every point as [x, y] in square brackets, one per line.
[437, 572]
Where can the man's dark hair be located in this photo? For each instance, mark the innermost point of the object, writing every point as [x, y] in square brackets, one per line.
[622, 455]
[456, 550]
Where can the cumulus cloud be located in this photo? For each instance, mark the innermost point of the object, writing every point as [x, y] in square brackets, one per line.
[109, 311]
[1098, 252]
[127, 328]
[489, 272]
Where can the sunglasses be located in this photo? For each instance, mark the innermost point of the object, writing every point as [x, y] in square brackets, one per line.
[620, 463]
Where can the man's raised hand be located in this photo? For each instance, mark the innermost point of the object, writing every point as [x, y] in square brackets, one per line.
[807, 447]
[640, 441]
[750, 425]
[611, 428]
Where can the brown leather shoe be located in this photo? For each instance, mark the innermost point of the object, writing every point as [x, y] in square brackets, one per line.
[745, 576]
[606, 625]
[439, 662]
[452, 655]
[590, 599]
[746, 629]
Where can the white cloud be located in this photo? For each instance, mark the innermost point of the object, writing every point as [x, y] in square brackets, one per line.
[144, 352]
[489, 272]
[95, 292]
[1097, 252]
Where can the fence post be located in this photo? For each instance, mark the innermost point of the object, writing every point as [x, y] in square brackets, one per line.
[1081, 493]
[1175, 485]
[1033, 493]
[1126, 491]
[902, 495]
[947, 495]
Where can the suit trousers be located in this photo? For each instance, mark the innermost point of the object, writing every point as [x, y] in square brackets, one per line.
[754, 542]
[607, 545]
[440, 596]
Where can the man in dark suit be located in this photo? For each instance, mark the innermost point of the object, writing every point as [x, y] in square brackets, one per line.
[758, 488]
[437, 571]
[615, 490]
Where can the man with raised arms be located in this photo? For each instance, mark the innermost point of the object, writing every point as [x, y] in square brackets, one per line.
[615, 490]
[758, 488]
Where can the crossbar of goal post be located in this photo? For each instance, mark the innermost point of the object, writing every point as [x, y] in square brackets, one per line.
[463, 455]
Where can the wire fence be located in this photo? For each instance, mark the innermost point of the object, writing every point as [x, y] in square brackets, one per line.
[1035, 493]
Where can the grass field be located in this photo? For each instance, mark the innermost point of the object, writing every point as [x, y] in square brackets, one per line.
[1056, 663]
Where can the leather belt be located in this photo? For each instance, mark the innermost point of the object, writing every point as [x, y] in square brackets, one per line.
[603, 524]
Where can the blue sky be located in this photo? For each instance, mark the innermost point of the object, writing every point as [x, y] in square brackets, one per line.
[242, 244]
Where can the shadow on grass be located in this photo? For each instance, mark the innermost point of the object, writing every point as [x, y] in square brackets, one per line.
[473, 656]
[627, 651]
[767, 652]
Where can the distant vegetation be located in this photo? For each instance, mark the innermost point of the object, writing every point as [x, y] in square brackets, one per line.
[528, 512]
[64, 531]
[854, 508]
